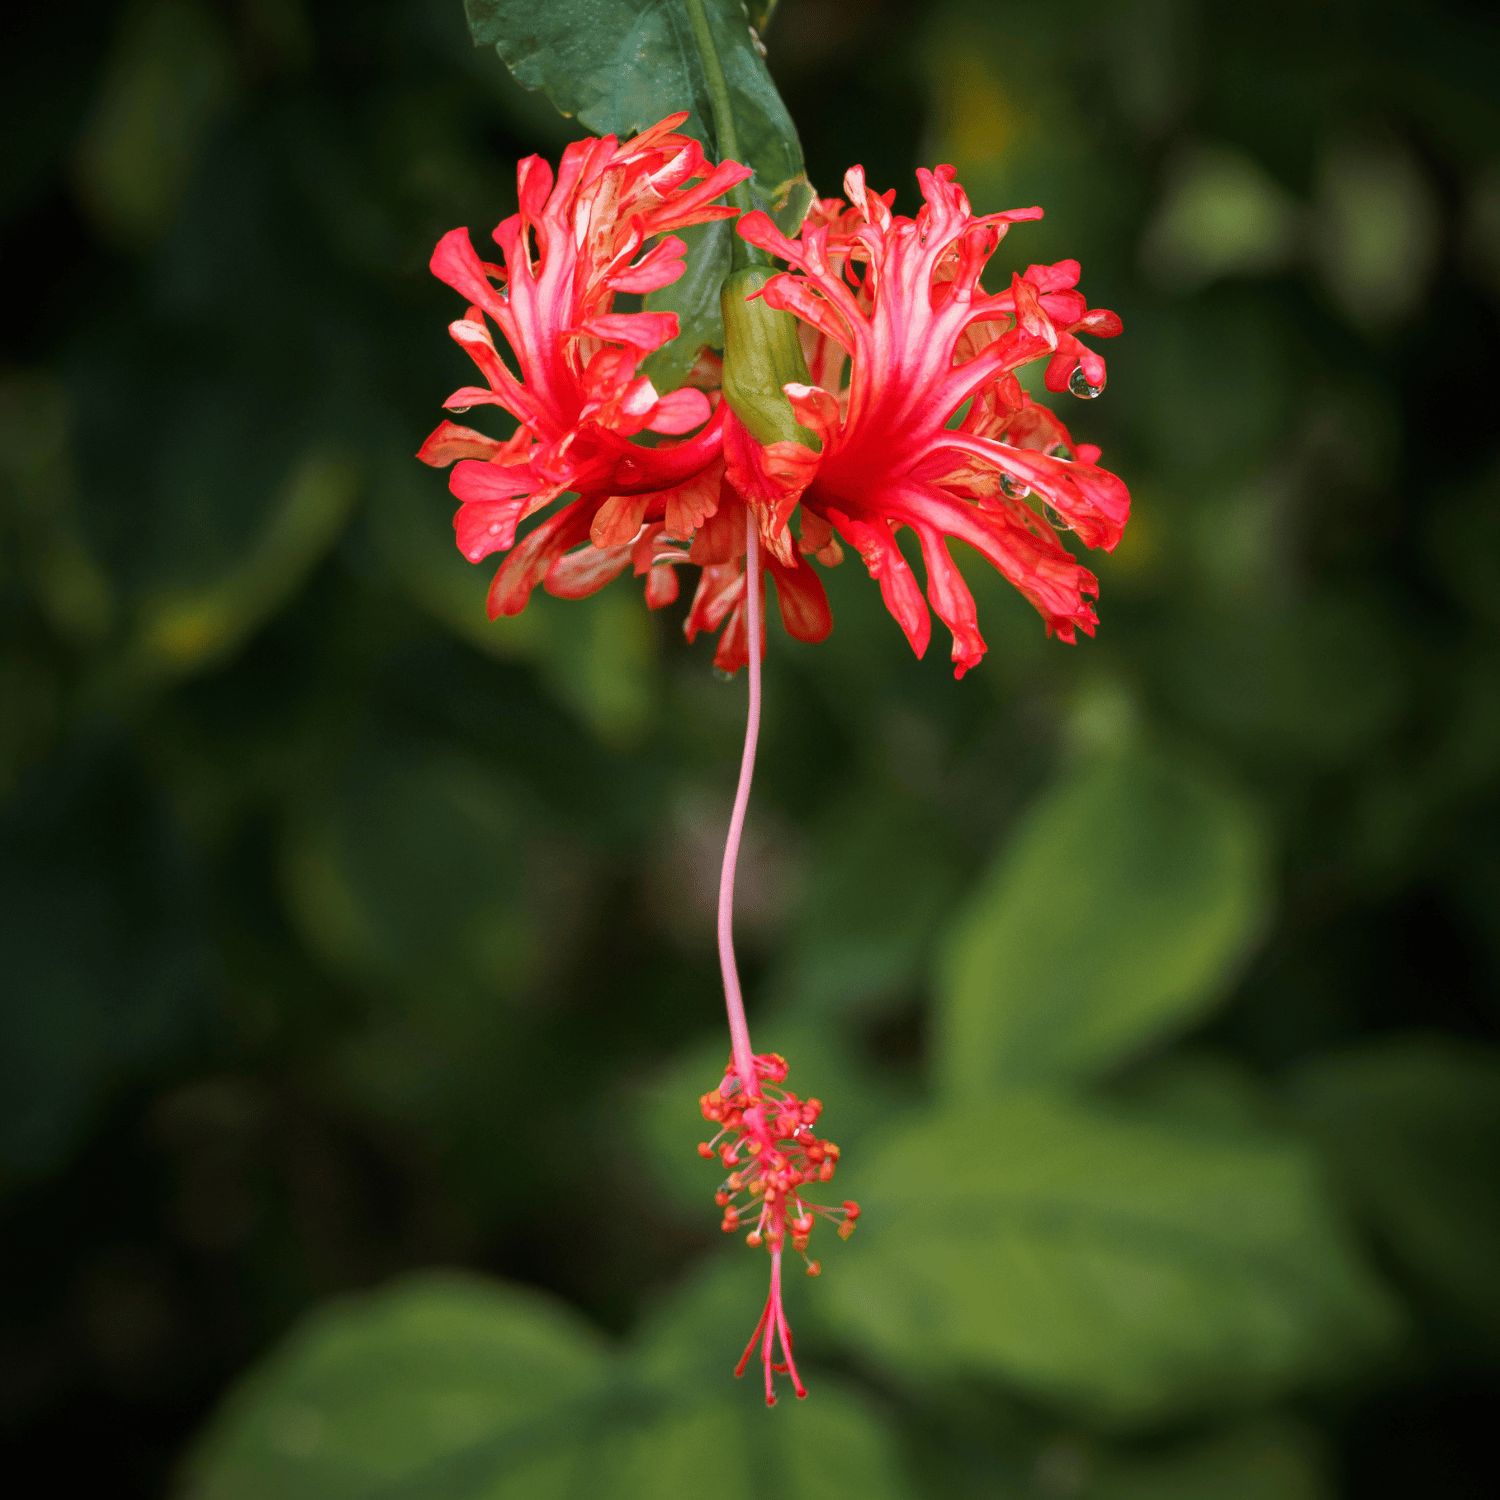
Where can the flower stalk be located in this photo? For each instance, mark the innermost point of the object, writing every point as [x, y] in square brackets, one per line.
[739, 1029]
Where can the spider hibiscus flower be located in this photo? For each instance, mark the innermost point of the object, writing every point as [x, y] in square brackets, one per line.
[901, 300]
[574, 243]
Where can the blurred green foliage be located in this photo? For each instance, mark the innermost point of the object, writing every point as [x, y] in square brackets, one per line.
[1150, 985]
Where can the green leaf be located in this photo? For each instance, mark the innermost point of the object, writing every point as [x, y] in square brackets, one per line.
[1133, 1272]
[454, 1388]
[694, 297]
[1118, 911]
[1412, 1126]
[621, 65]
[425, 1387]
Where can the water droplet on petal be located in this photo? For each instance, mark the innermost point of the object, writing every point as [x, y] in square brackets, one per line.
[1057, 521]
[1078, 383]
[1013, 487]
[722, 675]
[627, 471]
[459, 411]
[1062, 451]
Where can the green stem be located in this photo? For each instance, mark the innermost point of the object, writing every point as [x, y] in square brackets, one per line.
[727, 142]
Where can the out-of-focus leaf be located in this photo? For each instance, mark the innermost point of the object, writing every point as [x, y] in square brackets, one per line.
[1130, 1271]
[1222, 214]
[171, 74]
[1200, 1093]
[445, 1387]
[621, 65]
[1377, 236]
[186, 629]
[1412, 1127]
[1117, 912]
[434, 1386]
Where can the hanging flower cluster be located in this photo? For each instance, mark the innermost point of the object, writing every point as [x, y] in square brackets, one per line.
[900, 338]
[767, 1143]
[870, 387]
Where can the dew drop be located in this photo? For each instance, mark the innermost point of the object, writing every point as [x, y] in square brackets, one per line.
[1078, 383]
[1013, 487]
[1062, 451]
[1058, 522]
[460, 411]
[627, 471]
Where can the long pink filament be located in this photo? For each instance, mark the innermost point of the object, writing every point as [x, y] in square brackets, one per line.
[739, 1030]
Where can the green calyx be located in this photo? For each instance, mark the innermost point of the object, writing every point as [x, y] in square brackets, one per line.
[761, 354]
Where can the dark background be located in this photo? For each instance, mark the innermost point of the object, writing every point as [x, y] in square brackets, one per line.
[338, 927]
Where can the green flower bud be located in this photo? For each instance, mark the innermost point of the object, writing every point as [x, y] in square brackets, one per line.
[761, 354]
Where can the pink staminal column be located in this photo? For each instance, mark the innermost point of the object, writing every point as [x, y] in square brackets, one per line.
[739, 1031]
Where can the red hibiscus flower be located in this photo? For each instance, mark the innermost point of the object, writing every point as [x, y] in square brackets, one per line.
[579, 400]
[901, 300]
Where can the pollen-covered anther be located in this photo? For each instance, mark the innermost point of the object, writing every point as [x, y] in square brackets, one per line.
[785, 1155]
[705, 1151]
